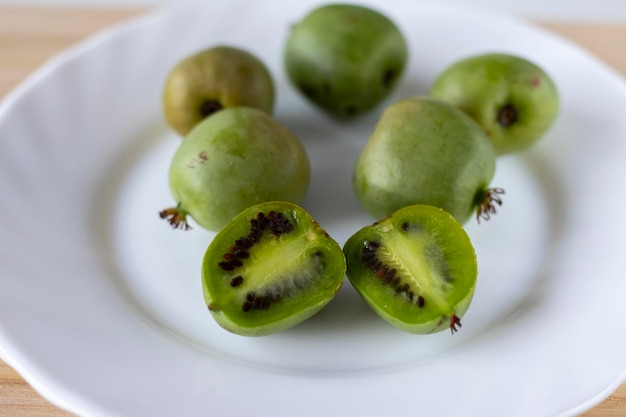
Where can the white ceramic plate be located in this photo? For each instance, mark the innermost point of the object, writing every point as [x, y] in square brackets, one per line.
[101, 306]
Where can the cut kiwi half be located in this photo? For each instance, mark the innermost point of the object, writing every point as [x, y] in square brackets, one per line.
[269, 269]
[416, 268]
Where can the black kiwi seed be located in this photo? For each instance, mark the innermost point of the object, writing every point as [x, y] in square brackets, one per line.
[236, 263]
[411, 227]
[242, 254]
[420, 301]
[236, 281]
[255, 235]
[386, 274]
[226, 266]
[243, 243]
[382, 271]
[264, 301]
[389, 276]
[368, 255]
[276, 223]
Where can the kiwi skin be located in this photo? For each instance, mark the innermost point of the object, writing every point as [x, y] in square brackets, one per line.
[212, 79]
[426, 151]
[272, 267]
[345, 58]
[230, 161]
[416, 269]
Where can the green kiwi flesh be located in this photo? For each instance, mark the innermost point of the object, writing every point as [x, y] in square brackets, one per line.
[416, 268]
[269, 269]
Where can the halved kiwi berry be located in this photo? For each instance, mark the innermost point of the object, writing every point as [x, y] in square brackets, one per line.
[416, 268]
[269, 269]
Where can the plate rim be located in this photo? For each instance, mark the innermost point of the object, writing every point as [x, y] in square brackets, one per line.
[31, 82]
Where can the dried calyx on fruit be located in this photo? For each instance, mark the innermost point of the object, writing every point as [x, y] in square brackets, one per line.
[213, 79]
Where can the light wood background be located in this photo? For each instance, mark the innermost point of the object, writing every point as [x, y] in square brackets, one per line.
[30, 35]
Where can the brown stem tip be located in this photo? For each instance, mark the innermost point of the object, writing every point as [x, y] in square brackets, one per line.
[487, 204]
[176, 218]
[454, 322]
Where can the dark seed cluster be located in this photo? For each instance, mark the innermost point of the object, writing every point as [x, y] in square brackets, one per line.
[412, 227]
[236, 281]
[259, 302]
[274, 223]
[386, 274]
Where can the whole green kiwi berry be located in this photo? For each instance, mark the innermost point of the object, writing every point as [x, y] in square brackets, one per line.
[511, 98]
[345, 58]
[269, 269]
[213, 79]
[416, 268]
[232, 160]
[426, 151]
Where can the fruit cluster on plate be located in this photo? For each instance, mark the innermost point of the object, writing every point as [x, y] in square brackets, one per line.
[423, 173]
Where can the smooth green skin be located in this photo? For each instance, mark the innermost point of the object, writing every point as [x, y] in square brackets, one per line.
[287, 254]
[229, 75]
[424, 151]
[481, 85]
[345, 58]
[406, 251]
[235, 159]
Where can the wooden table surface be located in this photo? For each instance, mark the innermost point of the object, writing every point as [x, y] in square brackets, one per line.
[31, 35]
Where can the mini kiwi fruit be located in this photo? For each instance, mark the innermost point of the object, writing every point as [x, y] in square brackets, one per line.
[427, 151]
[513, 99]
[232, 160]
[416, 268]
[345, 58]
[213, 79]
[269, 269]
